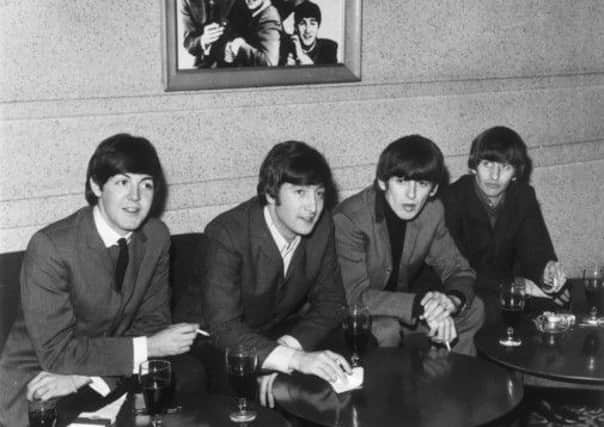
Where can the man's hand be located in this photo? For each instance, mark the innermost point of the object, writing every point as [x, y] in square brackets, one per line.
[325, 364]
[175, 339]
[443, 331]
[554, 277]
[47, 385]
[231, 50]
[266, 389]
[211, 33]
[437, 306]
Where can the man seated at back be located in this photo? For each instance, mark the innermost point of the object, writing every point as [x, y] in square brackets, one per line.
[94, 287]
[270, 277]
[386, 233]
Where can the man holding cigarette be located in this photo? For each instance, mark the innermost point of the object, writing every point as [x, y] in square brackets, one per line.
[386, 233]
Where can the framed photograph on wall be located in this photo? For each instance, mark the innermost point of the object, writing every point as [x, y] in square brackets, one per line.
[217, 44]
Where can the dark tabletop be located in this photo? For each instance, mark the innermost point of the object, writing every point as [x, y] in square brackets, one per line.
[195, 410]
[406, 387]
[574, 356]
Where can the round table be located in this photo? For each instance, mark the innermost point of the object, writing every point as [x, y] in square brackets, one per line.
[574, 356]
[406, 387]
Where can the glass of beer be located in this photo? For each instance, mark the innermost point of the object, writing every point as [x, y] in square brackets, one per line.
[357, 328]
[156, 381]
[594, 292]
[241, 364]
[512, 298]
[42, 413]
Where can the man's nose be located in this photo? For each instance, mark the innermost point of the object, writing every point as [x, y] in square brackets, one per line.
[495, 171]
[411, 190]
[134, 193]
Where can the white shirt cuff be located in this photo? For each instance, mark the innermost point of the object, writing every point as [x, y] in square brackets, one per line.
[279, 359]
[290, 341]
[99, 385]
[139, 345]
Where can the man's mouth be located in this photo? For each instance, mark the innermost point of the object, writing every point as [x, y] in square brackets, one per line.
[409, 207]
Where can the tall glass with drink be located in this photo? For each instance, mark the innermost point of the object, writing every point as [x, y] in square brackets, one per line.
[156, 381]
[241, 364]
[512, 299]
[357, 329]
[42, 413]
[594, 292]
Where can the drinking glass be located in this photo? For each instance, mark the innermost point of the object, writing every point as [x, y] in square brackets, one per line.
[241, 364]
[512, 298]
[594, 292]
[357, 328]
[42, 413]
[156, 380]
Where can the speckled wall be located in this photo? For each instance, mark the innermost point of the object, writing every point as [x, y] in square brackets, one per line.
[74, 73]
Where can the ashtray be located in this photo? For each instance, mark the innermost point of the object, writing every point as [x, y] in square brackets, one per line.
[554, 323]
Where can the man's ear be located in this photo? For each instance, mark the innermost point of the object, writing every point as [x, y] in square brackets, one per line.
[96, 189]
[382, 185]
[434, 190]
[270, 199]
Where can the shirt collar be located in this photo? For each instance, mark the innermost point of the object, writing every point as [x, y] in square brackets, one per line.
[488, 204]
[282, 244]
[108, 235]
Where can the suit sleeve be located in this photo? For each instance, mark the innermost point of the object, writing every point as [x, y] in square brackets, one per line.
[153, 314]
[451, 266]
[220, 289]
[327, 300]
[266, 53]
[351, 244]
[51, 321]
[533, 243]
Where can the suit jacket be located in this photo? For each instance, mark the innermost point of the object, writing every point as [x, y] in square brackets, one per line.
[262, 38]
[72, 320]
[244, 296]
[365, 257]
[518, 245]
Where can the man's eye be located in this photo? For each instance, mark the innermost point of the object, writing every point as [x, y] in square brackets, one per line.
[122, 182]
[507, 166]
[321, 194]
[487, 163]
[424, 183]
[148, 185]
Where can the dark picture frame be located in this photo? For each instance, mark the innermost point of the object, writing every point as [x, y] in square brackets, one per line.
[176, 78]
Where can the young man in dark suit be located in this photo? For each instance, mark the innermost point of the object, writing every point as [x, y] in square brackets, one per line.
[91, 309]
[494, 216]
[386, 233]
[270, 277]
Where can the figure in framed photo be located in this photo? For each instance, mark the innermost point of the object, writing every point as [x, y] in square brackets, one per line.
[305, 47]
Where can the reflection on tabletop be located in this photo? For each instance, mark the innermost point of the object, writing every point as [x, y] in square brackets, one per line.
[421, 387]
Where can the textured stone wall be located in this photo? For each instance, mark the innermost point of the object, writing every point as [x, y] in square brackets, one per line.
[77, 72]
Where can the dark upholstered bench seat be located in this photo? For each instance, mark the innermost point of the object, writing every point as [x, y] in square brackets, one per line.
[182, 261]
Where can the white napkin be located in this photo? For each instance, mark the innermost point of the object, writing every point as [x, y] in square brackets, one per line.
[350, 382]
[107, 412]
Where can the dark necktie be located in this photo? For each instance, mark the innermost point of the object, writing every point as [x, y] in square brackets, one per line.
[121, 264]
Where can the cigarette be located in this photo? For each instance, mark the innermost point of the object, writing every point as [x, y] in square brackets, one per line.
[448, 346]
[202, 332]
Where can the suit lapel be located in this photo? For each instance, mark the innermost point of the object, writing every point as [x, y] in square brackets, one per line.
[265, 253]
